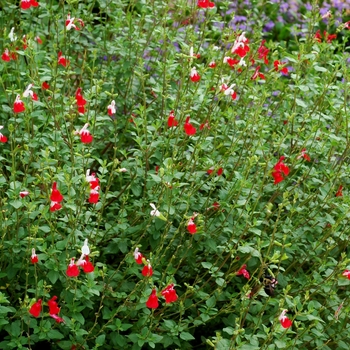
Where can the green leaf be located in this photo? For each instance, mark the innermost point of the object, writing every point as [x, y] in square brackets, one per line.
[100, 340]
[55, 334]
[53, 276]
[186, 336]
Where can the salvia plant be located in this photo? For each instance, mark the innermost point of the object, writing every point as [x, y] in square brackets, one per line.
[173, 179]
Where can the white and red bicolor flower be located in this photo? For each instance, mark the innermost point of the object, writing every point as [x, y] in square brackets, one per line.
[191, 226]
[171, 120]
[29, 92]
[169, 294]
[138, 256]
[26, 4]
[285, 321]
[38, 39]
[230, 61]
[240, 46]
[212, 64]
[192, 55]
[92, 180]
[72, 269]
[70, 23]
[18, 105]
[189, 128]
[34, 258]
[84, 133]
[3, 138]
[56, 197]
[228, 91]
[243, 271]
[54, 309]
[304, 155]
[94, 196]
[85, 263]
[257, 74]
[62, 60]
[23, 194]
[111, 108]
[147, 270]
[6, 56]
[346, 273]
[194, 76]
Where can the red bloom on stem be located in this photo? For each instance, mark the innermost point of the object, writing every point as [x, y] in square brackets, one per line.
[92, 180]
[230, 61]
[57, 318]
[72, 270]
[171, 120]
[53, 306]
[279, 169]
[212, 64]
[6, 56]
[340, 193]
[62, 60]
[285, 321]
[304, 155]
[257, 74]
[94, 196]
[56, 195]
[263, 52]
[152, 301]
[87, 265]
[34, 258]
[38, 39]
[23, 194]
[189, 128]
[45, 85]
[243, 271]
[70, 23]
[35, 309]
[138, 256]
[81, 102]
[18, 105]
[147, 270]
[85, 135]
[191, 226]
[346, 273]
[169, 294]
[3, 138]
[54, 206]
[194, 76]
[204, 4]
[29, 92]
[277, 63]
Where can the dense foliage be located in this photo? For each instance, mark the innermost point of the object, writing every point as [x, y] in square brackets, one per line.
[170, 179]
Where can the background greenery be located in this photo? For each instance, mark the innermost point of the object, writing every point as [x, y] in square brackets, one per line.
[137, 53]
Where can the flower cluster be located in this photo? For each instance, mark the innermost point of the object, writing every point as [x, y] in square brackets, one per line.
[168, 293]
[36, 308]
[280, 170]
[147, 270]
[56, 198]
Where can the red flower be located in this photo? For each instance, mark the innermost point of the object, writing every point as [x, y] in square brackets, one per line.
[62, 60]
[169, 294]
[340, 193]
[23, 194]
[279, 169]
[56, 195]
[34, 258]
[147, 270]
[194, 76]
[38, 39]
[277, 63]
[326, 36]
[152, 301]
[87, 265]
[92, 180]
[243, 271]
[94, 196]
[257, 74]
[53, 306]
[29, 92]
[111, 108]
[346, 273]
[285, 321]
[72, 270]
[212, 64]
[263, 52]
[138, 256]
[18, 105]
[231, 61]
[81, 102]
[35, 309]
[85, 135]
[70, 23]
[26, 4]
[304, 155]
[204, 4]
[57, 318]
[6, 56]
[191, 227]
[55, 206]
[189, 128]
[3, 138]
[171, 120]
[45, 85]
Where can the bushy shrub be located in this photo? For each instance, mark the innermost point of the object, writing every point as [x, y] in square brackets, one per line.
[168, 182]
